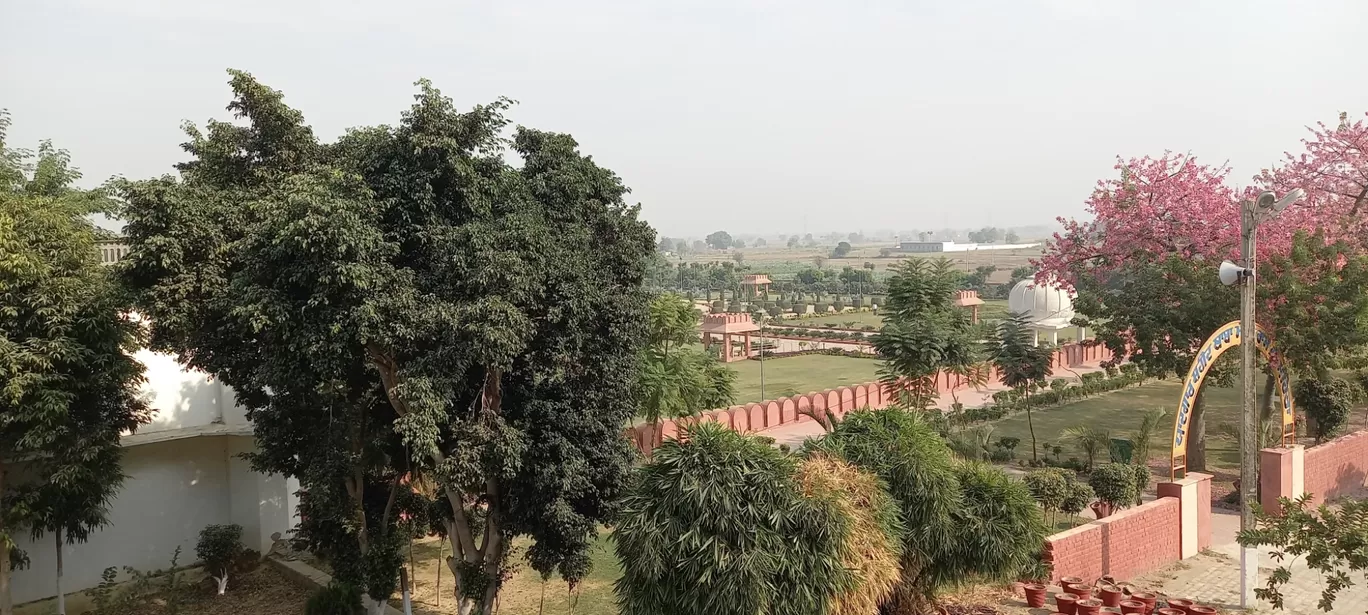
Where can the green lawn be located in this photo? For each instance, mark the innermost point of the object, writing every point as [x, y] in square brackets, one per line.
[522, 593]
[1120, 413]
[839, 320]
[793, 375]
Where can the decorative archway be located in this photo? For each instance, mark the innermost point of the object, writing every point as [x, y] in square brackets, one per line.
[1226, 337]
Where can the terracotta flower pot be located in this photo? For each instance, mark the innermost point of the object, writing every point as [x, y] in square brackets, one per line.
[1168, 610]
[1112, 595]
[1082, 590]
[1066, 580]
[1035, 595]
[1182, 604]
[1149, 598]
[1101, 509]
[1066, 603]
[1091, 606]
[1198, 609]
[1135, 607]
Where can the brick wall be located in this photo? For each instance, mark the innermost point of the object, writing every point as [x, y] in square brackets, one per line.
[1338, 467]
[775, 412]
[1124, 545]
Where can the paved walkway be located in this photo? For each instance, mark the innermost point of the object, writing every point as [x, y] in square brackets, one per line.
[1214, 577]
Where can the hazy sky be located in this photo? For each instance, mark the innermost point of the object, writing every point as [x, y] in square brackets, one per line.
[750, 115]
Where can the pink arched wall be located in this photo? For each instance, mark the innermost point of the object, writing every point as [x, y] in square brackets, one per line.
[757, 417]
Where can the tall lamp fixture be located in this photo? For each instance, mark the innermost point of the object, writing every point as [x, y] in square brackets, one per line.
[1252, 214]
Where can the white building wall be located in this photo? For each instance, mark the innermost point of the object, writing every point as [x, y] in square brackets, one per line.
[174, 489]
[181, 398]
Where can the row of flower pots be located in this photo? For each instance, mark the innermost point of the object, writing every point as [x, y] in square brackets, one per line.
[1079, 598]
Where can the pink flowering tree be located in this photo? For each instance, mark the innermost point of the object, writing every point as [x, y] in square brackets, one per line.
[1141, 264]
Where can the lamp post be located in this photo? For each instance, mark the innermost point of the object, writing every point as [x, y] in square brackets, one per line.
[1252, 213]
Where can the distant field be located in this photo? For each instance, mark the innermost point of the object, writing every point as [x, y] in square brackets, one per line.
[795, 375]
[781, 261]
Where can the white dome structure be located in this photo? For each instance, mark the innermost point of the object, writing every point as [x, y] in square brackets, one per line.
[1047, 307]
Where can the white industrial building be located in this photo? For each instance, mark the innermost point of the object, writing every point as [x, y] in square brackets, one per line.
[183, 473]
[950, 246]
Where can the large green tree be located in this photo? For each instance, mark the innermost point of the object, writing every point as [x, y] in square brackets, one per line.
[407, 279]
[1156, 315]
[68, 381]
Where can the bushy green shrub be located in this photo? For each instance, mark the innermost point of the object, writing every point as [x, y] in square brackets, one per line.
[1049, 487]
[965, 520]
[1114, 483]
[1076, 498]
[335, 599]
[219, 547]
[1327, 404]
[715, 524]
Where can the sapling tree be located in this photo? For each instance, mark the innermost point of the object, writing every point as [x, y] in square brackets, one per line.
[218, 548]
[70, 384]
[923, 331]
[1020, 363]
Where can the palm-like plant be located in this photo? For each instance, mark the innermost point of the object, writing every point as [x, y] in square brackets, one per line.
[1140, 440]
[1088, 438]
[1020, 362]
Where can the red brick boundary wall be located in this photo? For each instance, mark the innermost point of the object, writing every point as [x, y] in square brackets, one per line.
[1326, 471]
[759, 416]
[1137, 540]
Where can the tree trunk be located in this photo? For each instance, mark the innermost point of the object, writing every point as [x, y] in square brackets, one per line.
[61, 596]
[1196, 450]
[222, 583]
[375, 607]
[6, 600]
[1266, 402]
[1030, 424]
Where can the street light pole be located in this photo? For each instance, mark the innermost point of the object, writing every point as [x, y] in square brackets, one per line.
[1249, 423]
[1251, 214]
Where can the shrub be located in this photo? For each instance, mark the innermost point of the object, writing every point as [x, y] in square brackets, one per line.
[1114, 483]
[999, 528]
[1142, 481]
[335, 599]
[874, 539]
[1076, 498]
[715, 524]
[1059, 384]
[219, 547]
[907, 453]
[1049, 487]
[1326, 403]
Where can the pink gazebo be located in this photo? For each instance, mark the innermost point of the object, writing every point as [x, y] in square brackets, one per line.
[756, 285]
[725, 326]
[969, 299]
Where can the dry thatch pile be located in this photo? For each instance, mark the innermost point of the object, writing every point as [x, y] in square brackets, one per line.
[873, 542]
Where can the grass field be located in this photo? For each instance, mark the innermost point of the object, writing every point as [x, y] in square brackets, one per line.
[793, 375]
[1120, 412]
[837, 320]
[522, 593]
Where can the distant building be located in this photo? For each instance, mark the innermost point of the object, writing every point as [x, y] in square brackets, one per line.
[950, 246]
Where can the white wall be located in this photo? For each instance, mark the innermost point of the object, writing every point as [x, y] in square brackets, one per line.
[181, 398]
[261, 504]
[174, 489]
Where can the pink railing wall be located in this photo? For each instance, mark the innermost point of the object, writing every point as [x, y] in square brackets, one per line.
[759, 416]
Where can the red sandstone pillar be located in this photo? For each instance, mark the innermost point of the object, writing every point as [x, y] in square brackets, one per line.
[1281, 475]
[1194, 497]
[748, 347]
[726, 348]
